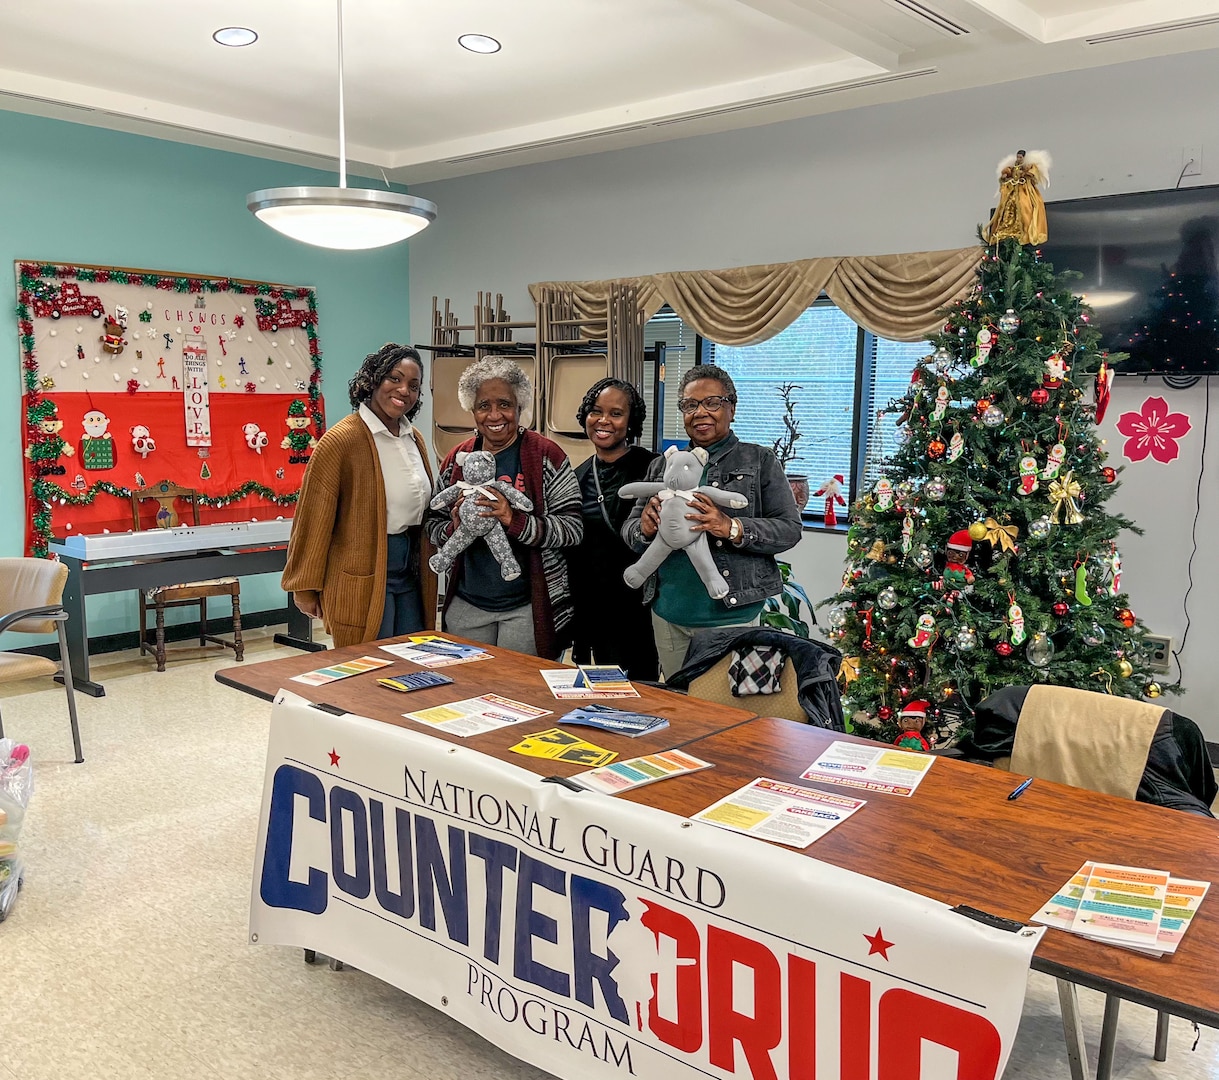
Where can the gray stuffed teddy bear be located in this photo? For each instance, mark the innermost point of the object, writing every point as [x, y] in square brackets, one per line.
[683, 470]
[478, 470]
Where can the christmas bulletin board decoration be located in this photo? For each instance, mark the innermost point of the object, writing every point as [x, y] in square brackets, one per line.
[985, 555]
[131, 377]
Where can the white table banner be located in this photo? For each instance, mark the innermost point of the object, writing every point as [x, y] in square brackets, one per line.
[591, 936]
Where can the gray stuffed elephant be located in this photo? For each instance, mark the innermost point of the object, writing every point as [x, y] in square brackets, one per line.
[683, 470]
[478, 470]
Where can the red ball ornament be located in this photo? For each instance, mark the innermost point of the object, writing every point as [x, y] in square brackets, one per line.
[1109, 474]
[1040, 396]
[866, 645]
[1003, 649]
[1060, 608]
[936, 448]
[1126, 618]
[884, 712]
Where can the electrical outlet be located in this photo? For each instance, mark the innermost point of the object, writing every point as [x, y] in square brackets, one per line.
[1191, 161]
[1159, 650]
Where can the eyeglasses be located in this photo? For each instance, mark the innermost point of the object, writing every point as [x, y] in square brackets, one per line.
[714, 403]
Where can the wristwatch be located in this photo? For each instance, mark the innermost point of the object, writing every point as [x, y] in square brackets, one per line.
[735, 531]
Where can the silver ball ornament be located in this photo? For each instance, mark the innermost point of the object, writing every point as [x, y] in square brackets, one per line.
[993, 417]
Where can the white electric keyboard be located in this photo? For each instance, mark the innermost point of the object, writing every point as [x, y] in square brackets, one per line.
[182, 540]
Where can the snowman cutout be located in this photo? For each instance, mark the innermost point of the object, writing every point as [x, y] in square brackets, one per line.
[1016, 617]
[923, 632]
[1028, 475]
[986, 342]
[883, 494]
[1053, 464]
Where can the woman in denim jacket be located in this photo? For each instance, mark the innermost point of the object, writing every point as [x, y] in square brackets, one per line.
[743, 544]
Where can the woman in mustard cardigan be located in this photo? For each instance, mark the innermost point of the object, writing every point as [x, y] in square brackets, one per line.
[357, 558]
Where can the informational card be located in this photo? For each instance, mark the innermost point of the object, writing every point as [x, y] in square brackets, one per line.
[559, 745]
[1180, 906]
[345, 670]
[474, 716]
[619, 721]
[636, 772]
[882, 769]
[436, 652]
[1061, 909]
[785, 813]
[562, 684]
[602, 677]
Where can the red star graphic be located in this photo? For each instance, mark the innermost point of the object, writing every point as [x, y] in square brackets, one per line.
[878, 944]
[334, 757]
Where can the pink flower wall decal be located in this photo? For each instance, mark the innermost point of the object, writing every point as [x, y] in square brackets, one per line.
[1153, 430]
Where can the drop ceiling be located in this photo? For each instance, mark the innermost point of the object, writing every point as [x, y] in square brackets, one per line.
[573, 76]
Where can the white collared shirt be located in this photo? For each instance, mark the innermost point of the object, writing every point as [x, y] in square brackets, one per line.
[407, 491]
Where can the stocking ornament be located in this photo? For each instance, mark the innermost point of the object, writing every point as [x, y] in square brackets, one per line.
[907, 534]
[923, 632]
[1016, 618]
[1028, 475]
[941, 404]
[1058, 453]
[956, 446]
[882, 494]
[986, 342]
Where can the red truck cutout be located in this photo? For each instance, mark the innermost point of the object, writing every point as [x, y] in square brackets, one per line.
[279, 314]
[68, 301]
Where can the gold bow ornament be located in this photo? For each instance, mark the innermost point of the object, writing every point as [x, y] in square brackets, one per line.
[849, 671]
[1063, 493]
[1001, 536]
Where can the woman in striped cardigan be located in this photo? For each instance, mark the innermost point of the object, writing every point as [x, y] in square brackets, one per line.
[533, 613]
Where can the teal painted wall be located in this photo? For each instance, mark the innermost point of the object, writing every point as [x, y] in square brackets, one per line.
[71, 193]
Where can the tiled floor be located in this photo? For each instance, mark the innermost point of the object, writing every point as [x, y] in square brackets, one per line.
[126, 954]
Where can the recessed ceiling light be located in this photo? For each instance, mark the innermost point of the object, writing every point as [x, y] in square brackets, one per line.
[479, 43]
[234, 36]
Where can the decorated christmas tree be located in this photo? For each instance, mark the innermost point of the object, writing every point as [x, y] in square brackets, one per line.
[984, 556]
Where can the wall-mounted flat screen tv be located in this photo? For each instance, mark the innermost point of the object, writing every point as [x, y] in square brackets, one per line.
[1149, 273]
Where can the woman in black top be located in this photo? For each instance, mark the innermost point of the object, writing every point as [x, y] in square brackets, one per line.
[612, 625]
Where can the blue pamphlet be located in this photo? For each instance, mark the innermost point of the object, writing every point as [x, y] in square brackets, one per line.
[619, 721]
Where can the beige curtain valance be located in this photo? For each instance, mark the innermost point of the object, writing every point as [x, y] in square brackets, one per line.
[894, 296]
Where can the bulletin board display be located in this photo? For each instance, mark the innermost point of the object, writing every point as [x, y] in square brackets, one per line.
[131, 377]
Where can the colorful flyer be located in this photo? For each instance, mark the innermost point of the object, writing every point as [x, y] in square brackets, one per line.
[1062, 907]
[636, 772]
[562, 684]
[559, 745]
[784, 813]
[602, 677]
[873, 768]
[474, 716]
[345, 670]
[1180, 906]
[430, 651]
[1122, 905]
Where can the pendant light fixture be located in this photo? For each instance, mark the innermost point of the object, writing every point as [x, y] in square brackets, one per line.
[344, 218]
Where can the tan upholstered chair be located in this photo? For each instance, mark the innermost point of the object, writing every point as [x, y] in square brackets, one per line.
[187, 594]
[30, 594]
[712, 685]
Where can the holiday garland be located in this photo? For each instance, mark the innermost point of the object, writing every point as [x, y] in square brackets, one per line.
[33, 281]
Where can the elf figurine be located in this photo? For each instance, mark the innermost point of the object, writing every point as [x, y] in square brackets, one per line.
[912, 719]
[831, 489]
[923, 632]
[1053, 464]
[298, 440]
[956, 574]
[47, 445]
[1028, 475]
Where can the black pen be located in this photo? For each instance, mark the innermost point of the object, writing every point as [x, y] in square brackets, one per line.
[1019, 789]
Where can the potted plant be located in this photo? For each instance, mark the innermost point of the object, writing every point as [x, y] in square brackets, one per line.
[782, 612]
[785, 446]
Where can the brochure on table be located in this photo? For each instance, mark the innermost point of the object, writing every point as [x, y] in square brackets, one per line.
[559, 745]
[785, 813]
[881, 769]
[345, 670]
[562, 684]
[474, 716]
[638, 772]
[619, 721]
[434, 652]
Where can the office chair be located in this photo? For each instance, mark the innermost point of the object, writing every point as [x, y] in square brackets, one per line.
[30, 594]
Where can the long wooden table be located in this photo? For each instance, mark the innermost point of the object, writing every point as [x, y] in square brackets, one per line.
[510, 674]
[959, 840]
